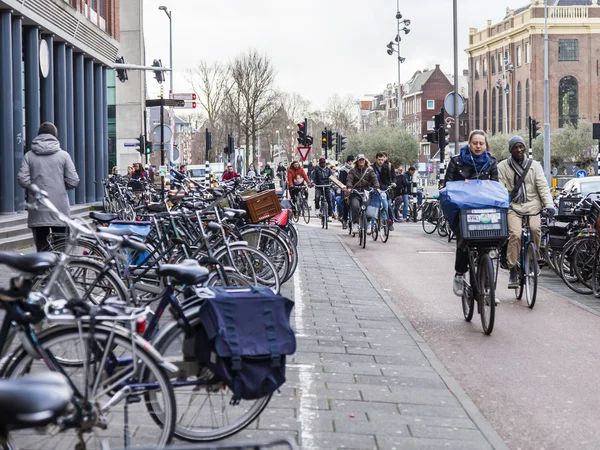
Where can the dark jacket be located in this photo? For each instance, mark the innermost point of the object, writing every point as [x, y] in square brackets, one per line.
[358, 179]
[343, 173]
[384, 175]
[320, 175]
[458, 170]
[399, 185]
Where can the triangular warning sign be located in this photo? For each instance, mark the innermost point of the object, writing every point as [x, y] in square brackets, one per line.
[304, 151]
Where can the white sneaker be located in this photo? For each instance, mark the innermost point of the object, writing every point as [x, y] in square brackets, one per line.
[458, 285]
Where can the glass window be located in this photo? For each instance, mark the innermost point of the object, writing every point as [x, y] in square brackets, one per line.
[477, 70]
[493, 62]
[519, 56]
[568, 101]
[494, 111]
[500, 64]
[527, 55]
[430, 104]
[477, 111]
[430, 125]
[500, 110]
[568, 50]
[485, 67]
[527, 106]
[519, 106]
[485, 112]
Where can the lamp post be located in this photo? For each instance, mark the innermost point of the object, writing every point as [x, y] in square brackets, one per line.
[546, 100]
[169, 15]
[395, 48]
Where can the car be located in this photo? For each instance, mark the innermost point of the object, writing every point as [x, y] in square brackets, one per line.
[581, 187]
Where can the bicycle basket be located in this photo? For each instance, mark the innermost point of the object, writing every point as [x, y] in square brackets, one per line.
[566, 208]
[484, 226]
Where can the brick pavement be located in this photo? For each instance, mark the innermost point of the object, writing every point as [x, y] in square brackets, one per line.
[362, 377]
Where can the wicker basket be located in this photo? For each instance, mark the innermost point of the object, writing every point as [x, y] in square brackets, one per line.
[262, 206]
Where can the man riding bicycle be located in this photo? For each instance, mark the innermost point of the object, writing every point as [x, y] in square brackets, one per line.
[320, 177]
[529, 194]
[361, 177]
[386, 178]
[343, 177]
[407, 185]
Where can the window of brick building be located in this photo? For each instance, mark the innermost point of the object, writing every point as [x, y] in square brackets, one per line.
[568, 101]
[484, 67]
[527, 53]
[477, 70]
[519, 105]
[430, 104]
[568, 50]
[519, 56]
[494, 111]
[477, 111]
[493, 62]
[485, 111]
[500, 110]
[430, 125]
[527, 94]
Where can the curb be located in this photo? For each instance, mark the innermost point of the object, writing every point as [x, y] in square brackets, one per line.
[470, 408]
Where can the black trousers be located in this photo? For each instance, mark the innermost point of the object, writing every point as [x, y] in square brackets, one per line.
[461, 263]
[327, 194]
[40, 235]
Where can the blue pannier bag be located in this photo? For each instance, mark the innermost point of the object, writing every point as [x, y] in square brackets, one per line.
[472, 194]
[140, 229]
[244, 339]
[374, 205]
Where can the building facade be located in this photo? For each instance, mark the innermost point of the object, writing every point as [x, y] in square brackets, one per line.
[54, 56]
[507, 66]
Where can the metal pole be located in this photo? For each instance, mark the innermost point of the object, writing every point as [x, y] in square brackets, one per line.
[171, 88]
[456, 82]
[162, 144]
[399, 64]
[546, 99]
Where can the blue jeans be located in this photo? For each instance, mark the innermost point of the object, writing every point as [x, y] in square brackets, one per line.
[385, 206]
[339, 201]
[405, 206]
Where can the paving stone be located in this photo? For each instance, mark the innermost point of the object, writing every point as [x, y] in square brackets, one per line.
[433, 382]
[354, 368]
[414, 443]
[446, 433]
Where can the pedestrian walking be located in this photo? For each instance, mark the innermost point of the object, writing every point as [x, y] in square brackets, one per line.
[52, 170]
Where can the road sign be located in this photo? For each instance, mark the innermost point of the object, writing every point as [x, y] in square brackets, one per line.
[190, 105]
[130, 144]
[168, 133]
[184, 97]
[167, 102]
[304, 151]
[581, 174]
[449, 104]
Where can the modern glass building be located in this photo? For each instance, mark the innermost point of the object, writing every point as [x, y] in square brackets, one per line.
[54, 66]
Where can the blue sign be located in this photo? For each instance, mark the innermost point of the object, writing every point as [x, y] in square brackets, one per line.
[581, 174]
[130, 144]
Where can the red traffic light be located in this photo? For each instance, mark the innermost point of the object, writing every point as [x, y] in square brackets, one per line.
[301, 126]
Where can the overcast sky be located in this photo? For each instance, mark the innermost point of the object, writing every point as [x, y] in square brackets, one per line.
[318, 47]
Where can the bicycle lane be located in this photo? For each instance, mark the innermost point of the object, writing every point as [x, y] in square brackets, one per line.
[534, 379]
[362, 377]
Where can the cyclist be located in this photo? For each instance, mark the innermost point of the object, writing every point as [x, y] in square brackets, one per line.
[385, 176]
[361, 177]
[343, 177]
[320, 177]
[296, 177]
[407, 183]
[529, 194]
[281, 172]
[229, 174]
[473, 163]
[392, 170]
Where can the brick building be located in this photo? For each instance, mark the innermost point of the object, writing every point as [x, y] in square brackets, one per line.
[54, 61]
[503, 99]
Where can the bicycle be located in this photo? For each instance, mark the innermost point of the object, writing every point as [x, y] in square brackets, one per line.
[483, 232]
[380, 224]
[301, 206]
[324, 208]
[527, 265]
[363, 196]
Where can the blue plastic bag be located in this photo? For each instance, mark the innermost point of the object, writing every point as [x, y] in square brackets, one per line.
[140, 230]
[472, 194]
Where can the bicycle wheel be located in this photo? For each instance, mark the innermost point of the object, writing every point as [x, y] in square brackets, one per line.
[442, 227]
[203, 405]
[305, 210]
[519, 291]
[127, 421]
[429, 225]
[487, 293]
[530, 272]
[363, 226]
[596, 276]
[251, 263]
[385, 231]
[567, 263]
[234, 279]
[272, 245]
[375, 228]
[468, 299]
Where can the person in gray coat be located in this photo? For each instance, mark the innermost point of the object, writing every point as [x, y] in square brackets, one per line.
[52, 170]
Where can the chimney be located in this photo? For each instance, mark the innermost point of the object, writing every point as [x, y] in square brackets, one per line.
[437, 66]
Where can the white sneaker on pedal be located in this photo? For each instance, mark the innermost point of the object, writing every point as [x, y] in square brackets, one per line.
[458, 285]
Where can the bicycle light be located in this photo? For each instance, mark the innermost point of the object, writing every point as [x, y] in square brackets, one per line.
[140, 325]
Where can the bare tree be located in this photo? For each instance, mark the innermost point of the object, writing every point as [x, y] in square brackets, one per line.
[341, 113]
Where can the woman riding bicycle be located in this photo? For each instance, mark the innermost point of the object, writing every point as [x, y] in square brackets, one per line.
[473, 163]
[361, 177]
[528, 196]
[296, 177]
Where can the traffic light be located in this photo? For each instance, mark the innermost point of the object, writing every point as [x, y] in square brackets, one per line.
[148, 148]
[443, 138]
[324, 138]
[439, 120]
[208, 140]
[302, 132]
[330, 139]
[341, 143]
[309, 141]
[158, 74]
[231, 145]
[121, 73]
[432, 136]
[141, 144]
[535, 128]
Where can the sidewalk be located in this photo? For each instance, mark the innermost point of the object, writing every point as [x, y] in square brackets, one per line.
[362, 377]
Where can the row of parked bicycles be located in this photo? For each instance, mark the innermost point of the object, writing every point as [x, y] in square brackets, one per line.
[113, 309]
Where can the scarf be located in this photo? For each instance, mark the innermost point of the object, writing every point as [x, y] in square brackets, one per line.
[477, 162]
[519, 168]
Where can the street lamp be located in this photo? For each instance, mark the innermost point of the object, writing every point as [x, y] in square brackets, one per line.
[169, 15]
[394, 47]
[503, 83]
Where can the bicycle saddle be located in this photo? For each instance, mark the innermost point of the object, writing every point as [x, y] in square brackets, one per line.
[33, 401]
[103, 217]
[188, 272]
[237, 212]
[34, 263]
[214, 227]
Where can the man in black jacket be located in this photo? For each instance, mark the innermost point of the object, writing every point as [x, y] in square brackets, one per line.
[408, 183]
[343, 177]
[386, 179]
[320, 177]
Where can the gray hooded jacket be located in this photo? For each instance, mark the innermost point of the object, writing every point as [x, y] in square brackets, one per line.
[53, 171]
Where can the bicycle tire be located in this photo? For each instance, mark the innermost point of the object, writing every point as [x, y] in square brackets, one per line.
[305, 211]
[363, 226]
[567, 272]
[486, 292]
[174, 338]
[234, 278]
[429, 225]
[442, 228]
[531, 271]
[519, 291]
[468, 300]
[268, 242]
[595, 275]
[22, 362]
[584, 261]
[375, 228]
[385, 231]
